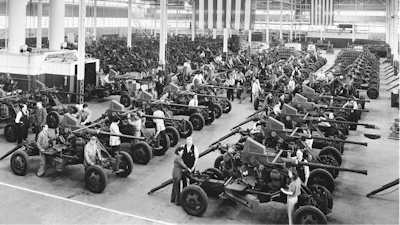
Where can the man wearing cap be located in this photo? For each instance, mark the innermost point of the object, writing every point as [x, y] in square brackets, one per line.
[136, 123]
[84, 115]
[39, 118]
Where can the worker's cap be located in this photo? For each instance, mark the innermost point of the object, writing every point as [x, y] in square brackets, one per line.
[330, 116]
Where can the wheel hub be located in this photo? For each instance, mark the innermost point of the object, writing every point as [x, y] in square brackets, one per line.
[94, 179]
[193, 201]
[19, 163]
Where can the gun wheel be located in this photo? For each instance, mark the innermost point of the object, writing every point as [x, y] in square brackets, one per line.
[20, 163]
[217, 110]
[319, 192]
[141, 153]
[194, 200]
[309, 215]
[126, 164]
[10, 132]
[95, 179]
[321, 177]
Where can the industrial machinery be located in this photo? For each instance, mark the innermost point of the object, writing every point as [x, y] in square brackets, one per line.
[68, 149]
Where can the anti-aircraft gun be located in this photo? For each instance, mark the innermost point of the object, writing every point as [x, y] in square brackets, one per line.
[68, 149]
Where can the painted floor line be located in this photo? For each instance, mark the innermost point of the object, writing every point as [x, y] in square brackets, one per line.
[85, 204]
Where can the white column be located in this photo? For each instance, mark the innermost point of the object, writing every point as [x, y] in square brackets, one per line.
[353, 34]
[280, 22]
[291, 32]
[321, 32]
[176, 22]
[56, 24]
[395, 31]
[162, 31]
[95, 19]
[39, 22]
[267, 30]
[387, 22]
[129, 35]
[81, 48]
[214, 33]
[193, 22]
[225, 40]
[16, 25]
[250, 38]
[155, 25]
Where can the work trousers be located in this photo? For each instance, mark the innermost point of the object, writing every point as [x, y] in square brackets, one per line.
[42, 166]
[229, 94]
[22, 132]
[176, 185]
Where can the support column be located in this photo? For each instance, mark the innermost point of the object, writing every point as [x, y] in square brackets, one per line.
[56, 24]
[387, 22]
[193, 23]
[129, 35]
[353, 34]
[162, 32]
[16, 25]
[250, 38]
[176, 22]
[39, 22]
[321, 32]
[155, 25]
[81, 50]
[214, 33]
[95, 20]
[291, 33]
[267, 30]
[395, 30]
[280, 22]
[225, 41]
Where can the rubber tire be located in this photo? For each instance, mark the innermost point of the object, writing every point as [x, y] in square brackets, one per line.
[128, 165]
[53, 116]
[329, 194]
[228, 107]
[211, 115]
[218, 175]
[309, 210]
[103, 179]
[202, 197]
[217, 162]
[332, 162]
[201, 122]
[314, 174]
[147, 153]
[25, 160]
[332, 151]
[10, 132]
[173, 135]
[256, 103]
[166, 144]
[373, 93]
[217, 110]
[125, 100]
[189, 128]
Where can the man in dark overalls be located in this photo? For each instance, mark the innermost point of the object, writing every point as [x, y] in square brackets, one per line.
[190, 157]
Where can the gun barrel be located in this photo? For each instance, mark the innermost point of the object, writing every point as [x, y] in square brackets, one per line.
[258, 111]
[344, 98]
[163, 118]
[226, 136]
[188, 106]
[99, 132]
[335, 140]
[11, 151]
[318, 165]
[244, 122]
[335, 107]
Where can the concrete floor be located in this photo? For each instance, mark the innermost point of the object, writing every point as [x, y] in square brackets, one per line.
[61, 197]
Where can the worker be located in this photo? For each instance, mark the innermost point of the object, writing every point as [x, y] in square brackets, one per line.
[22, 122]
[164, 97]
[296, 73]
[92, 153]
[39, 118]
[302, 171]
[198, 79]
[336, 83]
[177, 171]
[257, 132]
[321, 77]
[136, 123]
[256, 89]
[353, 117]
[194, 101]
[159, 86]
[293, 191]
[277, 109]
[115, 141]
[210, 106]
[107, 79]
[190, 157]
[43, 144]
[160, 126]
[84, 115]
[291, 85]
[230, 83]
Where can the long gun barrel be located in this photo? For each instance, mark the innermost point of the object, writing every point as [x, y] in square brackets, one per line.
[258, 111]
[221, 87]
[331, 139]
[168, 182]
[318, 165]
[335, 107]
[99, 132]
[343, 98]
[182, 105]
[12, 151]
[244, 122]
[211, 148]
[163, 118]
[303, 117]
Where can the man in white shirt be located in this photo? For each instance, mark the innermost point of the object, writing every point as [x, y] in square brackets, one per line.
[92, 153]
[256, 89]
[291, 84]
[194, 101]
[198, 79]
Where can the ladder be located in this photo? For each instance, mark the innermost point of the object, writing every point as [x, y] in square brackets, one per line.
[139, 26]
